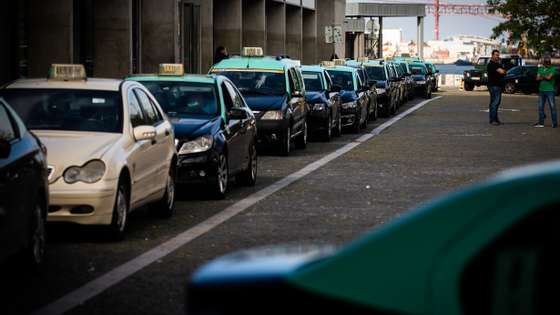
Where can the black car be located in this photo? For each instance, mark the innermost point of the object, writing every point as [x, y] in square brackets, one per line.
[422, 79]
[409, 82]
[324, 117]
[522, 79]
[387, 90]
[371, 92]
[479, 76]
[24, 190]
[215, 139]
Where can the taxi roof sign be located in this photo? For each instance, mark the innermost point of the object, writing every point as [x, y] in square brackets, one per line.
[253, 52]
[363, 59]
[328, 64]
[339, 62]
[67, 72]
[171, 69]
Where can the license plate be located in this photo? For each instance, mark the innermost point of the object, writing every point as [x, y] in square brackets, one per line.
[475, 78]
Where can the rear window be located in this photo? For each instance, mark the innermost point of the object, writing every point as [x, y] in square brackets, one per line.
[71, 110]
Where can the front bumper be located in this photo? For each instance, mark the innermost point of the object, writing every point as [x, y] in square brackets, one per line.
[86, 204]
[271, 131]
[318, 120]
[200, 168]
[349, 116]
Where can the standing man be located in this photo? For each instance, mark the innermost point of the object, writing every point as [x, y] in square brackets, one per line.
[547, 92]
[496, 84]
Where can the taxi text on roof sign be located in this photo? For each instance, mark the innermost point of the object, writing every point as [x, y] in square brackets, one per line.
[67, 72]
[171, 69]
[328, 64]
[253, 52]
[339, 62]
[363, 59]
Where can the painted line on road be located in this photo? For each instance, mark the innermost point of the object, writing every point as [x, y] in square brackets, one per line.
[95, 287]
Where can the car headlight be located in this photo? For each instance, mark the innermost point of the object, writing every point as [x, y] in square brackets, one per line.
[381, 91]
[89, 173]
[319, 107]
[349, 105]
[201, 144]
[273, 115]
[468, 74]
[420, 82]
[486, 74]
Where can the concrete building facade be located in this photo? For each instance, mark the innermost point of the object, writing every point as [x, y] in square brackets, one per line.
[114, 38]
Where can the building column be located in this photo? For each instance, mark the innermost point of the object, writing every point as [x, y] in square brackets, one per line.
[294, 29]
[309, 37]
[228, 23]
[329, 13]
[380, 39]
[275, 28]
[158, 34]
[420, 36]
[254, 23]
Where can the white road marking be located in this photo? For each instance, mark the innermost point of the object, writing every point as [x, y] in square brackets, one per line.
[513, 110]
[104, 282]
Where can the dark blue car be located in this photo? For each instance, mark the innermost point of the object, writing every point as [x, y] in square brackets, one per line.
[215, 130]
[24, 190]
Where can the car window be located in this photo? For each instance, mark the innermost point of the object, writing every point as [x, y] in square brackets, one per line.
[313, 81]
[482, 61]
[7, 130]
[67, 109]
[237, 100]
[293, 80]
[228, 98]
[134, 110]
[328, 80]
[299, 80]
[184, 99]
[152, 117]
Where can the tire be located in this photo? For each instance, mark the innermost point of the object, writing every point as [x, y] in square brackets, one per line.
[468, 86]
[366, 120]
[249, 176]
[120, 213]
[35, 252]
[356, 126]
[219, 185]
[338, 129]
[327, 134]
[165, 207]
[509, 88]
[285, 142]
[301, 139]
[428, 94]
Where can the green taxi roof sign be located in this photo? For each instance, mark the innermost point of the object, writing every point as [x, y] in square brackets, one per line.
[67, 72]
[253, 52]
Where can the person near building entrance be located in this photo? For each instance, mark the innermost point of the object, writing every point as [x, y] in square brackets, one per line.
[547, 92]
[221, 54]
[496, 74]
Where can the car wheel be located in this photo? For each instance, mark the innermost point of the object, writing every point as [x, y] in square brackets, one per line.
[286, 142]
[327, 135]
[338, 129]
[356, 126]
[249, 176]
[35, 253]
[509, 88]
[366, 119]
[120, 213]
[165, 207]
[469, 86]
[220, 182]
[301, 139]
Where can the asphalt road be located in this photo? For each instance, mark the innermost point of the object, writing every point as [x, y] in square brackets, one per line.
[443, 146]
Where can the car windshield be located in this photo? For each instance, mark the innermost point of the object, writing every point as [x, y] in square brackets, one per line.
[376, 73]
[416, 70]
[313, 81]
[72, 110]
[403, 68]
[343, 79]
[256, 82]
[185, 99]
[482, 61]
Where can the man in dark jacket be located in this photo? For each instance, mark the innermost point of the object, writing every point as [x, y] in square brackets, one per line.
[496, 84]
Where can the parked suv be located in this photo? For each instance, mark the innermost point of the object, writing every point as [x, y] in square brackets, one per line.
[479, 77]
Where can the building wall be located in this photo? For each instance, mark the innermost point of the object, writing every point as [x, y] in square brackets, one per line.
[228, 21]
[275, 28]
[158, 33]
[112, 38]
[294, 29]
[8, 60]
[309, 37]
[254, 23]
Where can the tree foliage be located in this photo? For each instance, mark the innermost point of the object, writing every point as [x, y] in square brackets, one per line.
[537, 20]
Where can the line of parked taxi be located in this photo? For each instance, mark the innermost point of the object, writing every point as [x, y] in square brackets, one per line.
[115, 146]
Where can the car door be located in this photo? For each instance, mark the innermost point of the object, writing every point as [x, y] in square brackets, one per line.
[333, 97]
[362, 95]
[248, 126]
[162, 151]
[234, 131]
[141, 159]
[297, 102]
[14, 192]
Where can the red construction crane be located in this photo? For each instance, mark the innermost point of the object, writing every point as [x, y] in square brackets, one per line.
[438, 9]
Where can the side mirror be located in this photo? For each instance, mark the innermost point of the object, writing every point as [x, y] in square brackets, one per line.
[237, 114]
[144, 133]
[336, 88]
[5, 149]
